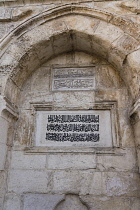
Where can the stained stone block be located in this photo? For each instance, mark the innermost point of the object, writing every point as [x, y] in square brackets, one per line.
[41, 201]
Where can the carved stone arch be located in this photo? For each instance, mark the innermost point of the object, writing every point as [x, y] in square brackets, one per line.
[99, 32]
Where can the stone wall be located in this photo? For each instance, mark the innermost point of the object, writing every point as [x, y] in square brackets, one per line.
[36, 38]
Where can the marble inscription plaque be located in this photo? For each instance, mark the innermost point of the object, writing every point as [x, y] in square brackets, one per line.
[76, 78]
[70, 128]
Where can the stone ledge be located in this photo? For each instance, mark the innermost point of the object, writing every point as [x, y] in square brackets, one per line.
[87, 150]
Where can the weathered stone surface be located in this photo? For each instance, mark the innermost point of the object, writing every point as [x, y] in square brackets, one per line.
[41, 201]
[71, 161]
[117, 203]
[127, 158]
[28, 181]
[71, 202]
[21, 13]
[3, 130]
[37, 37]
[21, 161]
[3, 152]
[12, 202]
[96, 183]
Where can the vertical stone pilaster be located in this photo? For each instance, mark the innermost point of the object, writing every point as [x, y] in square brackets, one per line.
[8, 113]
[135, 119]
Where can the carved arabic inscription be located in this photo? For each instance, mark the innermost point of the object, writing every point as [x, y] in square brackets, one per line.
[74, 128]
[73, 78]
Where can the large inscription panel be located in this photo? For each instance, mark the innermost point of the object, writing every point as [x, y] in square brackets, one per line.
[74, 128]
[73, 78]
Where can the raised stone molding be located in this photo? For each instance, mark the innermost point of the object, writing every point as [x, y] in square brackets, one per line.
[7, 109]
[98, 106]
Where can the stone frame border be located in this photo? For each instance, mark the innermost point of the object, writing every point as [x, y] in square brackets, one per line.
[105, 105]
[72, 66]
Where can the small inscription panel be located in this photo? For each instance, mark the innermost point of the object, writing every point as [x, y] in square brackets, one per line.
[71, 128]
[76, 78]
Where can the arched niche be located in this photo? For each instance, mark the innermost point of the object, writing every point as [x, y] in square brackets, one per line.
[37, 92]
[68, 29]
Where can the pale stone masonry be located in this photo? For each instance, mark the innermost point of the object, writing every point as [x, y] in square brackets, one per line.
[69, 104]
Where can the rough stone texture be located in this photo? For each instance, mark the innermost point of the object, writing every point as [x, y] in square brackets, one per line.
[12, 201]
[28, 181]
[71, 202]
[41, 201]
[21, 161]
[66, 161]
[35, 37]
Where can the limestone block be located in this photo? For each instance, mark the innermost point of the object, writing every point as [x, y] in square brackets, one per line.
[97, 185]
[130, 5]
[22, 12]
[138, 154]
[23, 161]
[8, 60]
[71, 202]
[12, 202]
[3, 152]
[107, 203]
[44, 50]
[79, 99]
[28, 63]
[126, 161]
[133, 60]
[2, 184]
[5, 13]
[61, 43]
[3, 130]
[106, 33]
[28, 181]
[110, 184]
[41, 201]
[71, 161]
[126, 44]
[135, 204]
[78, 182]
[137, 133]
[83, 24]
[82, 42]
[68, 181]
[16, 50]
[107, 77]
[1, 202]
[122, 183]
[120, 48]
[40, 81]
